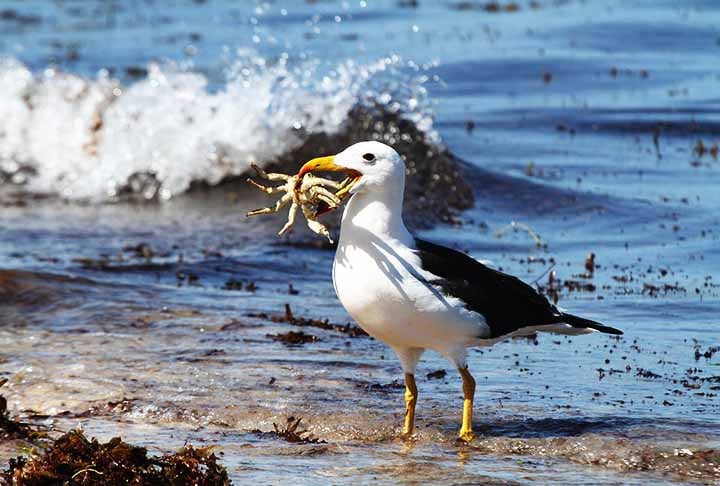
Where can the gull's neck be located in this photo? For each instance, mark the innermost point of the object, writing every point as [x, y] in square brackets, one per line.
[379, 213]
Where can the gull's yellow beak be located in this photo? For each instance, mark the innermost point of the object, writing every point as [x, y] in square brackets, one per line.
[321, 163]
[327, 164]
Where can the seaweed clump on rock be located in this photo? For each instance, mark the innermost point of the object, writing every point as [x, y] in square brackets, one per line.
[435, 189]
[74, 459]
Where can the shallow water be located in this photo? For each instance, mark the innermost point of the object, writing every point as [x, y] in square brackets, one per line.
[585, 123]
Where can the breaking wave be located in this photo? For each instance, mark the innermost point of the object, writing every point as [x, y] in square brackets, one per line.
[96, 139]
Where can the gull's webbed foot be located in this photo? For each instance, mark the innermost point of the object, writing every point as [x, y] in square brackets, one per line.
[466, 436]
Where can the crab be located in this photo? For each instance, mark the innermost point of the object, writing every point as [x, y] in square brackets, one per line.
[303, 191]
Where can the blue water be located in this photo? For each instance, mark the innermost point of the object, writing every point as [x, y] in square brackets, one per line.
[580, 120]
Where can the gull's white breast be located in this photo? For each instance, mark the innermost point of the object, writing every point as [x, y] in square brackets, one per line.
[381, 284]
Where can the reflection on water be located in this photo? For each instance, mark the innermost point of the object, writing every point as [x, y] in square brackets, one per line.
[157, 322]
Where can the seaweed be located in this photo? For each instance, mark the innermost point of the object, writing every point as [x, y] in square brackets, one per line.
[75, 459]
[291, 432]
[289, 317]
[293, 338]
[706, 354]
[141, 250]
[232, 284]
[490, 7]
[11, 428]
[382, 387]
[436, 375]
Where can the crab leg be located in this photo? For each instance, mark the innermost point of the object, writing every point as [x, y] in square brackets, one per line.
[315, 225]
[320, 181]
[271, 176]
[278, 206]
[325, 195]
[332, 202]
[265, 189]
[291, 217]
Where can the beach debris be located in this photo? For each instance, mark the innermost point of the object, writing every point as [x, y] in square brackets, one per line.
[552, 290]
[141, 250]
[232, 284]
[578, 286]
[293, 338]
[408, 3]
[75, 459]
[381, 387]
[590, 264]
[436, 375]
[491, 7]
[292, 433]
[307, 192]
[700, 149]
[643, 373]
[530, 169]
[182, 276]
[699, 353]
[290, 318]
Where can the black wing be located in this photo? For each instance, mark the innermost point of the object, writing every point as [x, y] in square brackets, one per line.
[506, 302]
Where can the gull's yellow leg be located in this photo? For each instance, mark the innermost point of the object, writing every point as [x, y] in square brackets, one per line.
[411, 394]
[466, 433]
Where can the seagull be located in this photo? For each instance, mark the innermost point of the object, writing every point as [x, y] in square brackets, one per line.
[415, 295]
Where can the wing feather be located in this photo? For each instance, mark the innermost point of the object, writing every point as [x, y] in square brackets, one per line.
[506, 302]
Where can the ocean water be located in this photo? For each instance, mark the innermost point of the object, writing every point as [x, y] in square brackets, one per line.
[126, 257]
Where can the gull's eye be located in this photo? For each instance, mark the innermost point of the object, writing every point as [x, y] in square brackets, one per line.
[369, 158]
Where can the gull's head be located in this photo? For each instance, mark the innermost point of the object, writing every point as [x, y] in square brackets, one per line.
[373, 167]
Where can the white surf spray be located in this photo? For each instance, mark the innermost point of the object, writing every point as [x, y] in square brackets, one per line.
[90, 139]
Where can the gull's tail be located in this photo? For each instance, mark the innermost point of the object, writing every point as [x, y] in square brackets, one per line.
[581, 322]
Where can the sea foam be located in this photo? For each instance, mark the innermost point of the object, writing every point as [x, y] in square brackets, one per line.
[93, 139]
